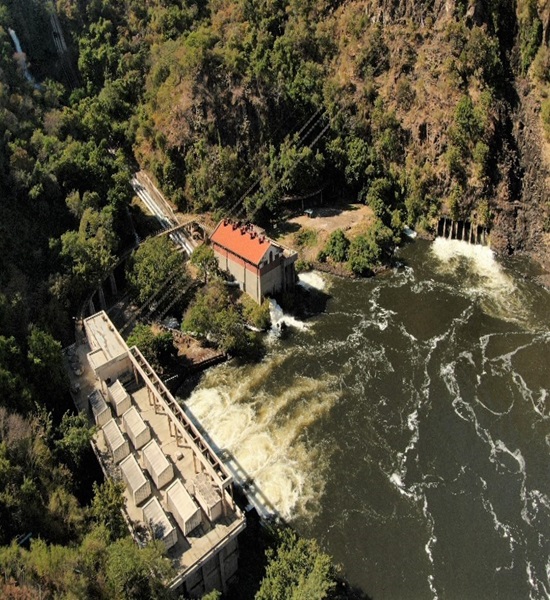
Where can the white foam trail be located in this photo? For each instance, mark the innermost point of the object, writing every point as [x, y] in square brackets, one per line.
[485, 278]
[312, 280]
[280, 320]
[504, 530]
[381, 316]
[538, 589]
[430, 544]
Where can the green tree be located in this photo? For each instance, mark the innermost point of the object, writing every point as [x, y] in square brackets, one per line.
[14, 394]
[297, 570]
[366, 250]
[91, 248]
[74, 445]
[153, 264]
[47, 372]
[156, 347]
[214, 315]
[107, 505]
[204, 259]
[530, 33]
[382, 197]
[337, 246]
[136, 573]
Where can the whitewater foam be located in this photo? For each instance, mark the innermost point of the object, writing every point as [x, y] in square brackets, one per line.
[279, 319]
[484, 278]
[261, 430]
[312, 280]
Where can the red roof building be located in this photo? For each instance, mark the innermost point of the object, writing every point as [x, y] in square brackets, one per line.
[260, 266]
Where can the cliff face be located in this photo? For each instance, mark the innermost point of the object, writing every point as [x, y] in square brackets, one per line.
[521, 218]
[518, 187]
[386, 11]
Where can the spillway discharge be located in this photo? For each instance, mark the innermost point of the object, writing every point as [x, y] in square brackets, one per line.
[263, 429]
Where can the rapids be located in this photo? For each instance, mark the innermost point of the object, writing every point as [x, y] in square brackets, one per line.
[408, 427]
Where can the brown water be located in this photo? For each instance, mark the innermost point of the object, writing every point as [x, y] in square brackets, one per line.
[407, 427]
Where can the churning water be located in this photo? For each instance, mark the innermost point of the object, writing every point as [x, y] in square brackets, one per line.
[407, 428]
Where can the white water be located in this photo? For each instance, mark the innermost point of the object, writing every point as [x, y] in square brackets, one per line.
[279, 320]
[484, 277]
[312, 280]
[262, 432]
[21, 58]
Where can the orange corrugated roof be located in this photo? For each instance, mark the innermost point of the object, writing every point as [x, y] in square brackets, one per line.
[246, 243]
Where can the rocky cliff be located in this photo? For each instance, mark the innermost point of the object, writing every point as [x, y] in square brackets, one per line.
[429, 107]
[517, 183]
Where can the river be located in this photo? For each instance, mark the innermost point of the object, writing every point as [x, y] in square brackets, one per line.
[407, 426]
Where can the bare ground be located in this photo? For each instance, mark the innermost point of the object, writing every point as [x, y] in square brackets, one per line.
[353, 219]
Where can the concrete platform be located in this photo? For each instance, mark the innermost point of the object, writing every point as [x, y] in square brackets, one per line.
[191, 553]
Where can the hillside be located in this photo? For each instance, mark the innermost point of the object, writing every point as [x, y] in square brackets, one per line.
[440, 100]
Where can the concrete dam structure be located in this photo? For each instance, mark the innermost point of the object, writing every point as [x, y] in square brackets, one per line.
[463, 230]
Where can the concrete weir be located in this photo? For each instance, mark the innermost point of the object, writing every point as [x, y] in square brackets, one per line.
[464, 230]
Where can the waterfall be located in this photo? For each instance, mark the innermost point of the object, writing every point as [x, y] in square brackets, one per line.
[280, 321]
[21, 59]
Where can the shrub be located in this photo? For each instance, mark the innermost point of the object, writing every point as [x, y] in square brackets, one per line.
[305, 237]
[541, 65]
[366, 250]
[381, 196]
[364, 255]
[256, 314]
[530, 34]
[545, 116]
[337, 246]
[303, 265]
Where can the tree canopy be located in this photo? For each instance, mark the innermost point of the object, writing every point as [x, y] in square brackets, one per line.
[297, 569]
[154, 264]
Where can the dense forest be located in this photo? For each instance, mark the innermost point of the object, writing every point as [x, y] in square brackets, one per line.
[235, 107]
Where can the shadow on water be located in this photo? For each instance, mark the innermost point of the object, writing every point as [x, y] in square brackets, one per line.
[261, 532]
[304, 302]
[254, 541]
[345, 591]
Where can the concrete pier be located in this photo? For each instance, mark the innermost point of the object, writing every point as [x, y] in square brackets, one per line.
[462, 230]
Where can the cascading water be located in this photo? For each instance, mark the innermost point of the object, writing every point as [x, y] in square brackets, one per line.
[312, 280]
[280, 320]
[407, 428]
[21, 56]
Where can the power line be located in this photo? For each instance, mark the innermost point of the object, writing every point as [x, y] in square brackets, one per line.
[308, 127]
[298, 160]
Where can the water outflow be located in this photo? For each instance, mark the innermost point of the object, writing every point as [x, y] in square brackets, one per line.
[21, 59]
[408, 428]
[280, 320]
[312, 280]
[481, 276]
[260, 431]
[463, 230]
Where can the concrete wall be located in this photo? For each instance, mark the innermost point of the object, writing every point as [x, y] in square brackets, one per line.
[274, 277]
[272, 282]
[216, 573]
[114, 370]
[244, 273]
[278, 278]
